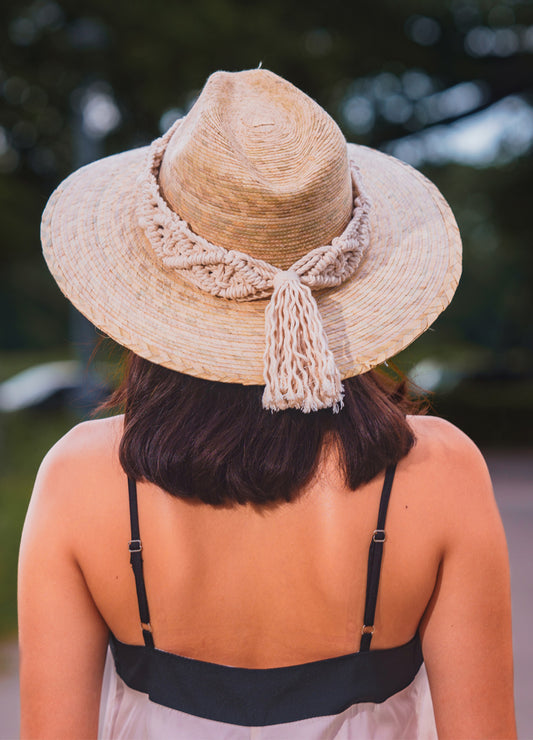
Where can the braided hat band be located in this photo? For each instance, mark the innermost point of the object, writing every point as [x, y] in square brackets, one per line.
[299, 368]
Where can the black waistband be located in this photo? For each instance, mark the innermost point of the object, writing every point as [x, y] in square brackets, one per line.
[271, 696]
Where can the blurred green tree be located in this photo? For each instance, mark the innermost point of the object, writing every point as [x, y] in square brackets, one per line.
[401, 76]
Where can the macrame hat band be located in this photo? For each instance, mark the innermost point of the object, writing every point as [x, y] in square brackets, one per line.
[251, 244]
[299, 368]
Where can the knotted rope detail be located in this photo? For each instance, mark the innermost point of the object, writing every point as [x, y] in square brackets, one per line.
[299, 367]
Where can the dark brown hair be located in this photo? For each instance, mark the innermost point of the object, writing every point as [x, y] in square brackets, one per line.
[214, 442]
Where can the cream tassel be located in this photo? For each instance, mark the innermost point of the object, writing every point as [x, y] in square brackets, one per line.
[299, 368]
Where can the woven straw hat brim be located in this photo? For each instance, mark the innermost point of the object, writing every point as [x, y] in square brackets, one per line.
[104, 265]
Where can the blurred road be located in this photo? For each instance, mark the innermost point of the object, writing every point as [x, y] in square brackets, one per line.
[9, 692]
[512, 475]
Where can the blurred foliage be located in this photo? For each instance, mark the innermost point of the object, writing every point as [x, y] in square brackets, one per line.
[491, 412]
[149, 62]
[25, 437]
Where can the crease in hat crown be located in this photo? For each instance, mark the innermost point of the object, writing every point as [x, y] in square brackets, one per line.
[252, 186]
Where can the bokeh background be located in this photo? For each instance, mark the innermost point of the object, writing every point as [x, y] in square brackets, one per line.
[446, 85]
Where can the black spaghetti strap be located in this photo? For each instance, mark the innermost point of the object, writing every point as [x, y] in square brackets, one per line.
[135, 548]
[374, 562]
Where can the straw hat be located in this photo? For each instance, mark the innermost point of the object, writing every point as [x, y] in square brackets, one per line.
[251, 244]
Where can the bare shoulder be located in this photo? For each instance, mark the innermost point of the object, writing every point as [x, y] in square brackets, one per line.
[441, 433]
[80, 461]
[448, 463]
[87, 441]
[438, 442]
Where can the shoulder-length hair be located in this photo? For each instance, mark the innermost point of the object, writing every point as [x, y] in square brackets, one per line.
[213, 442]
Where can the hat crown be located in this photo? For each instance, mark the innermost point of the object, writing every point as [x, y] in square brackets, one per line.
[258, 166]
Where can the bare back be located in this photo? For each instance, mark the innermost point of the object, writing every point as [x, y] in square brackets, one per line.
[260, 588]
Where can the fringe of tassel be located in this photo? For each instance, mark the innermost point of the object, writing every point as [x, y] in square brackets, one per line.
[299, 368]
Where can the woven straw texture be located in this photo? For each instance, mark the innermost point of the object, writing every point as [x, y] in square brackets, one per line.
[104, 264]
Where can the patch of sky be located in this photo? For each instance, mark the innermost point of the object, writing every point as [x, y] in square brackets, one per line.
[494, 136]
